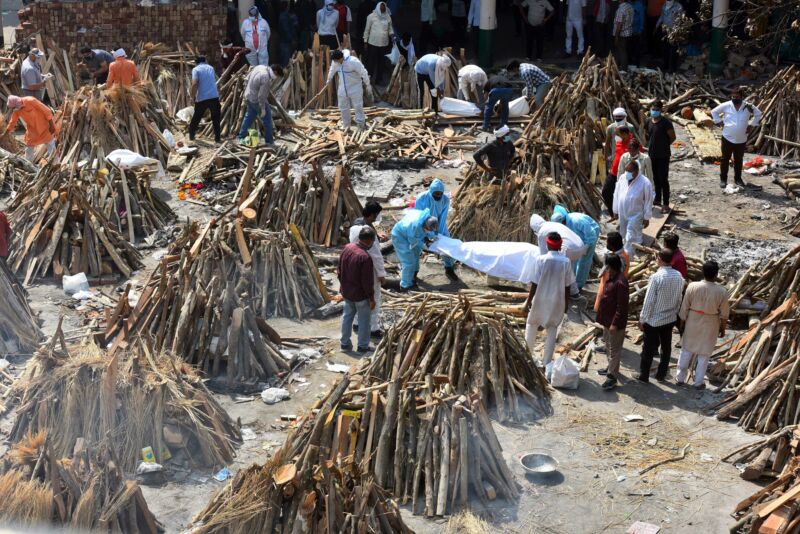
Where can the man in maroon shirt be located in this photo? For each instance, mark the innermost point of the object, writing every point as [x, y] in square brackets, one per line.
[678, 259]
[356, 284]
[5, 235]
[612, 313]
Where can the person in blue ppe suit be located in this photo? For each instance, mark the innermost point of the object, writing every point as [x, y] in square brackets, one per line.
[589, 232]
[438, 203]
[409, 236]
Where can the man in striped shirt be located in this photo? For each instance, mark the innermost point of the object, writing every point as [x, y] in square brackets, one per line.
[623, 30]
[662, 301]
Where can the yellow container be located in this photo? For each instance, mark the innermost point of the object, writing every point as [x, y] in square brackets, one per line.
[148, 456]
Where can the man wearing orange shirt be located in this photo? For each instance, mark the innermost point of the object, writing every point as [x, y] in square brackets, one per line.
[122, 71]
[39, 126]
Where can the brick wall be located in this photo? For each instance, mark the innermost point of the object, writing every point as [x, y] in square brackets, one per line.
[112, 24]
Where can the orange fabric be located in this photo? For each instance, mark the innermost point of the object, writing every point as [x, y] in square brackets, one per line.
[37, 119]
[654, 7]
[626, 262]
[122, 71]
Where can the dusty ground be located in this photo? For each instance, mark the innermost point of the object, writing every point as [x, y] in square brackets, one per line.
[597, 487]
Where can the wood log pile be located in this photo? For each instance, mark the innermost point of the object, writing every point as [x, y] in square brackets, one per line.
[595, 89]
[56, 61]
[761, 370]
[764, 285]
[13, 175]
[312, 484]
[66, 224]
[773, 508]
[78, 395]
[779, 101]
[304, 79]
[19, 331]
[207, 299]
[403, 90]
[86, 489]
[771, 456]
[511, 304]
[320, 203]
[170, 71]
[676, 91]
[95, 121]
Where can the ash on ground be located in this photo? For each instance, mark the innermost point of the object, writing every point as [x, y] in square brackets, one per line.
[735, 257]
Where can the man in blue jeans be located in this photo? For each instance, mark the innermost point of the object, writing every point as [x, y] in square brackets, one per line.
[256, 95]
[356, 284]
[497, 90]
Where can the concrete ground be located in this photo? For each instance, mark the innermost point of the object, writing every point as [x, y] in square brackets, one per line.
[597, 487]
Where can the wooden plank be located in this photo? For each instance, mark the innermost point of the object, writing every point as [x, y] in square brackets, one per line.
[772, 506]
[247, 259]
[705, 142]
[128, 215]
[657, 222]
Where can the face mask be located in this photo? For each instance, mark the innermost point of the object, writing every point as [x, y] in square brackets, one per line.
[329, 8]
[629, 176]
[507, 138]
[617, 139]
[621, 121]
[655, 113]
[736, 101]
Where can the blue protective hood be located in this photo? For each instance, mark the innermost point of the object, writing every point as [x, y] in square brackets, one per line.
[559, 214]
[437, 186]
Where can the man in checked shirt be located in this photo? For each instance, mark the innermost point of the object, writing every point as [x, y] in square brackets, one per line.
[537, 83]
[662, 301]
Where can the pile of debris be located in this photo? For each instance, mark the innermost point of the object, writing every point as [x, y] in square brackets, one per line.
[320, 204]
[79, 395]
[68, 222]
[207, 299]
[312, 484]
[677, 91]
[100, 121]
[84, 490]
[761, 367]
[779, 101]
[19, 331]
[15, 171]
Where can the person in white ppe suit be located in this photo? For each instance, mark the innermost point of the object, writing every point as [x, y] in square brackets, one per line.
[370, 215]
[633, 202]
[471, 80]
[255, 34]
[572, 245]
[552, 278]
[352, 77]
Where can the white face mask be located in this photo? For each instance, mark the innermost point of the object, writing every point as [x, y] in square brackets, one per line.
[253, 17]
[629, 176]
[620, 121]
[617, 139]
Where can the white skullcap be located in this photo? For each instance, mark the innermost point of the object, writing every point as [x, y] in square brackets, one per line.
[500, 132]
[619, 111]
[120, 52]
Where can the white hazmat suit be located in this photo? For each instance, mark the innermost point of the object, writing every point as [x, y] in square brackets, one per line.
[256, 30]
[633, 203]
[352, 78]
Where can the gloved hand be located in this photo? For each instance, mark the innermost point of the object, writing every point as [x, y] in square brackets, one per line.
[434, 92]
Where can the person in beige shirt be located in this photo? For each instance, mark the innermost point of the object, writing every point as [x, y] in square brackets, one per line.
[704, 316]
[635, 153]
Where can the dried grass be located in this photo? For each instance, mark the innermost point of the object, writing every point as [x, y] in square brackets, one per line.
[467, 523]
[24, 503]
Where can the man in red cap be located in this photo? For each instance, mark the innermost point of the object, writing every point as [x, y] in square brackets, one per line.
[552, 277]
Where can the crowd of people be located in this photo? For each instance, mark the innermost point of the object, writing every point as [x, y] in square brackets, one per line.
[567, 244]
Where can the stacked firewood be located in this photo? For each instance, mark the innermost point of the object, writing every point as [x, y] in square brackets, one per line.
[170, 71]
[595, 89]
[676, 91]
[305, 78]
[321, 204]
[78, 395]
[403, 91]
[312, 484]
[14, 174]
[85, 489]
[772, 508]
[550, 168]
[484, 302]
[94, 122]
[769, 457]
[18, 328]
[761, 369]
[779, 101]
[207, 299]
[56, 61]
[411, 420]
[763, 286]
[60, 228]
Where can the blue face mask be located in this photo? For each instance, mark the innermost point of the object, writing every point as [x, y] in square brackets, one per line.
[628, 175]
[655, 113]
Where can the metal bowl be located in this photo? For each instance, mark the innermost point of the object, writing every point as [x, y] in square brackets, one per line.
[538, 463]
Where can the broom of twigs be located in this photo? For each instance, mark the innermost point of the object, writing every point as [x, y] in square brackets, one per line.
[85, 490]
[77, 394]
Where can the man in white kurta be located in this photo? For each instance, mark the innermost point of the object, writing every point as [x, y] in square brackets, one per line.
[633, 203]
[704, 314]
[370, 215]
[552, 277]
[572, 245]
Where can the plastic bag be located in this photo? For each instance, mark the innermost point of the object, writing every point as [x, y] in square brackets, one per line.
[74, 284]
[518, 107]
[185, 114]
[274, 395]
[563, 373]
[169, 137]
[130, 159]
[394, 55]
[462, 108]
